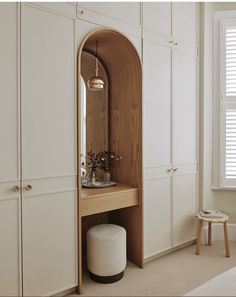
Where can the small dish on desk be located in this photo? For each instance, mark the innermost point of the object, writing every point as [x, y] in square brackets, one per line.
[98, 184]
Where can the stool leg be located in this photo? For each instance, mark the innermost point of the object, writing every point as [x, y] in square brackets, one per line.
[209, 233]
[199, 231]
[226, 240]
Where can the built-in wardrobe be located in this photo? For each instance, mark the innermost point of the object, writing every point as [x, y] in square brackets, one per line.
[40, 244]
[38, 185]
[170, 68]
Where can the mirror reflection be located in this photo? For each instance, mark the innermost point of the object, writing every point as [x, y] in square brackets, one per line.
[83, 115]
[93, 109]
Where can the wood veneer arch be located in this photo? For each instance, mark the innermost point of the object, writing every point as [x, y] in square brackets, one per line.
[123, 66]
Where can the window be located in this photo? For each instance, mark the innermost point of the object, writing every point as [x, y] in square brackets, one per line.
[228, 97]
[225, 93]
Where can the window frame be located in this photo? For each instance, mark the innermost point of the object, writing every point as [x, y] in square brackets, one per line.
[221, 102]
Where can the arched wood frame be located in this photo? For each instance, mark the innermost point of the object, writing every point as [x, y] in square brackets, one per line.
[124, 69]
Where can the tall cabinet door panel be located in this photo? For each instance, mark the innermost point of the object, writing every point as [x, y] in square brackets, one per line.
[9, 158]
[157, 216]
[184, 146]
[10, 212]
[184, 208]
[49, 243]
[157, 78]
[48, 94]
[48, 152]
[157, 17]
[156, 83]
[184, 22]
[184, 107]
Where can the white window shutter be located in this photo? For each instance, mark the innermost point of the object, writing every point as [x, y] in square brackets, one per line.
[228, 91]
[230, 61]
[230, 144]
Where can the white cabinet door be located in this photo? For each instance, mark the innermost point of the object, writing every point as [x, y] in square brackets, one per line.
[184, 208]
[157, 17]
[10, 265]
[48, 152]
[184, 121]
[157, 235]
[156, 107]
[184, 146]
[49, 230]
[184, 107]
[156, 104]
[184, 22]
[126, 11]
[9, 117]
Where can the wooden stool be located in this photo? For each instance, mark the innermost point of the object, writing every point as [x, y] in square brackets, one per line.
[222, 220]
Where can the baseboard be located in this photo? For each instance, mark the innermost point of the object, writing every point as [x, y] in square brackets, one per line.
[218, 233]
[166, 252]
[66, 292]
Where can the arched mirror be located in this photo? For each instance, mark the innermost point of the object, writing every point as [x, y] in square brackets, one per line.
[83, 94]
[94, 108]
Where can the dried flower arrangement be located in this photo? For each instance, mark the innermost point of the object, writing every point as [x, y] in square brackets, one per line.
[107, 159]
[92, 164]
[102, 160]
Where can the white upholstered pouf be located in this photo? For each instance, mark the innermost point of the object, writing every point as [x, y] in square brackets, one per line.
[106, 252]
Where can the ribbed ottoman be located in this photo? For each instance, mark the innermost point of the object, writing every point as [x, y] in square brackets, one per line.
[106, 252]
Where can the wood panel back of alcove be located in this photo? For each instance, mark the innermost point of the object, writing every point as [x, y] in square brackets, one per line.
[125, 102]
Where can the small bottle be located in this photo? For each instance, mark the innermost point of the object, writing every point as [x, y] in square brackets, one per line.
[106, 177]
[93, 178]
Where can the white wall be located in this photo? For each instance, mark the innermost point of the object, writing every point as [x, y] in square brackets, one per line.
[223, 200]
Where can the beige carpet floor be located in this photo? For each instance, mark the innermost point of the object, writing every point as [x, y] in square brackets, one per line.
[171, 275]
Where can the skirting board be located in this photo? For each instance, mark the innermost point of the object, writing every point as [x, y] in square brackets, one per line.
[66, 292]
[149, 258]
[218, 233]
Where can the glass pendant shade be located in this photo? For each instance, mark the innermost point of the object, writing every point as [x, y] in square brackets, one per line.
[96, 83]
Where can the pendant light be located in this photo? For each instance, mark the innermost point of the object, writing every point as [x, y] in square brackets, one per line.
[96, 83]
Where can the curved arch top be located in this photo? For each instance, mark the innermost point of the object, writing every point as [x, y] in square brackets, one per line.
[106, 32]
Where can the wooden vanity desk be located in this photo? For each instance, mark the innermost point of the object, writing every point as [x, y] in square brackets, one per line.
[97, 200]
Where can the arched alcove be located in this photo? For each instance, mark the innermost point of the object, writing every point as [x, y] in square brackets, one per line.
[124, 77]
